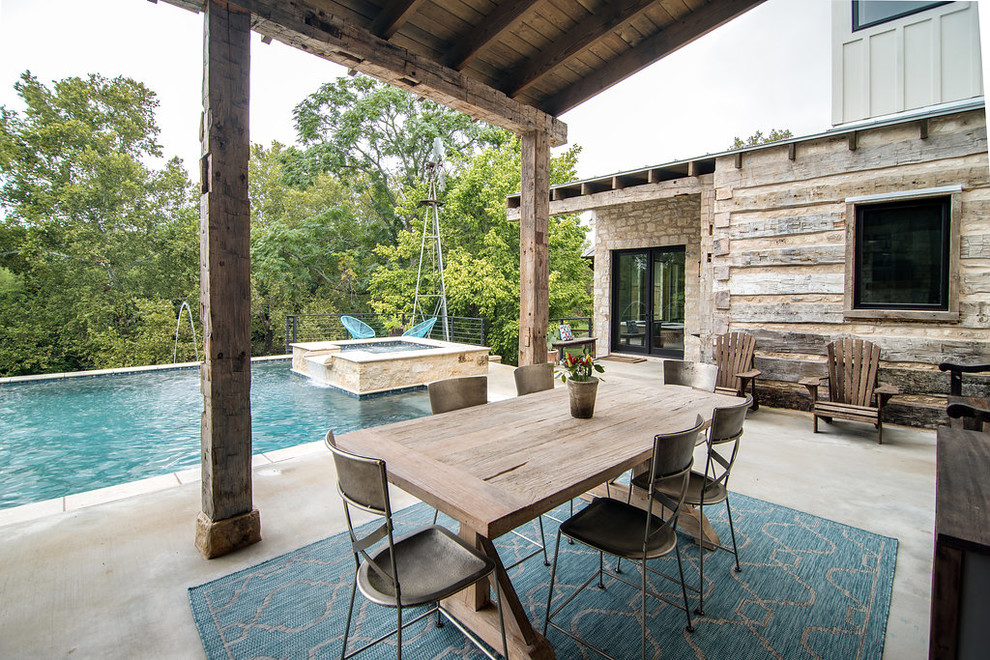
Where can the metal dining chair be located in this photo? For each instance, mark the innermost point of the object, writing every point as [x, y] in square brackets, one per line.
[712, 486]
[622, 530]
[457, 393]
[533, 378]
[420, 568]
[698, 375]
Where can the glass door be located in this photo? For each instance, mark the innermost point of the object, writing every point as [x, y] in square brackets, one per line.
[648, 301]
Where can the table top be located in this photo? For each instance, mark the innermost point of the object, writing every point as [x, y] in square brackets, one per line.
[497, 466]
[962, 504]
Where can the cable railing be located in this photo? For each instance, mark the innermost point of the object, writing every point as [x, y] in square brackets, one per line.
[327, 327]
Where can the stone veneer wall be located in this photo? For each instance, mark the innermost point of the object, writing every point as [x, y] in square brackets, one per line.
[666, 222]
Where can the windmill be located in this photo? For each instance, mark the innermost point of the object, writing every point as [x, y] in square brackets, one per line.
[431, 293]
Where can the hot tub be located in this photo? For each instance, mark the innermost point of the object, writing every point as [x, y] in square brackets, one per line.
[382, 364]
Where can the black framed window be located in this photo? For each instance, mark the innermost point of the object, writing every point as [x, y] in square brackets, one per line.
[867, 13]
[902, 255]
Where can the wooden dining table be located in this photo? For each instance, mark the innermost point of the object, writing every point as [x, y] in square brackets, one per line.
[495, 467]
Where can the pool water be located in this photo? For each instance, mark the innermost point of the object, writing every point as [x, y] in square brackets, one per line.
[59, 437]
[395, 346]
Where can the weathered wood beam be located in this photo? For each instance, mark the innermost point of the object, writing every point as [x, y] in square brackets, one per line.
[698, 23]
[304, 25]
[469, 47]
[578, 38]
[228, 520]
[393, 16]
[534, 246]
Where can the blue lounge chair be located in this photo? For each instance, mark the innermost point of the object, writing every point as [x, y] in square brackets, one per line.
[421, 329]
[357, 328]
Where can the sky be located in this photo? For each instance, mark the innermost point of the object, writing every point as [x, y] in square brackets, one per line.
[770, 68]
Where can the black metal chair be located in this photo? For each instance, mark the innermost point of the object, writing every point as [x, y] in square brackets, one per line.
[417, 569]
[622, 530]
[712, 486]
[698, 375]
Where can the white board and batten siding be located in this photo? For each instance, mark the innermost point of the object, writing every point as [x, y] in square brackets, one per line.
[916, 61]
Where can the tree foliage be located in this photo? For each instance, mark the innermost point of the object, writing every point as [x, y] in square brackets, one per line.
[758, 138]
[98, 243]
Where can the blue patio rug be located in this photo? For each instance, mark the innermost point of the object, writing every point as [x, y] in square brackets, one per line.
[809, 588]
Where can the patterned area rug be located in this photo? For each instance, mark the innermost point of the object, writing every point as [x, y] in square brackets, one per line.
[809, 588]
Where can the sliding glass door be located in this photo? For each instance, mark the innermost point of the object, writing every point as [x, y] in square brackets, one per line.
[648, 301]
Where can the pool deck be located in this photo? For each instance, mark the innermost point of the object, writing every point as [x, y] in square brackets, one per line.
[105, 574]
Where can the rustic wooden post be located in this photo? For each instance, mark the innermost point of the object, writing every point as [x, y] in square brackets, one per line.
[534, 247]
[228, 520]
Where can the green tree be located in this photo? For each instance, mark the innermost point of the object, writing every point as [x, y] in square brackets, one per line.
[482, 250]
[758, 138]
[378, 138]
[101, 243]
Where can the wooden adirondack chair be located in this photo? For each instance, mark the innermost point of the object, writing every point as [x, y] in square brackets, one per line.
[853, 390]
[970, 412]
[734, 357]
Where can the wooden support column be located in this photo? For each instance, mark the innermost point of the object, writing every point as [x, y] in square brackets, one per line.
[534, 248]
[228, 521]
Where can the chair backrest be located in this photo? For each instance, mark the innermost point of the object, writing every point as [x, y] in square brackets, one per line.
[533, 378]
[456, 393]
[673, 456]
[853, 366]
[421, 329]
[727, 427]
[361, 481]
[733, 354]
[698, 375]
[357, 328]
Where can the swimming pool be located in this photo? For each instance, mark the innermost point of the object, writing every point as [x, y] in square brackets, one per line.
[59, 437]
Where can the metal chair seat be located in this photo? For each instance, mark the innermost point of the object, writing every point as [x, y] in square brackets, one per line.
[432, 563]
[616, 528]
[715, 491]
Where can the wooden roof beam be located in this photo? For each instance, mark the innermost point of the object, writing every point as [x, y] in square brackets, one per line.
[578, 38]
[464, 51]
[393, 16]
[698, 23]
[302, 24]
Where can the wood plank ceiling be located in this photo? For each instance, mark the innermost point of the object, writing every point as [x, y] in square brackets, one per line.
[515, 63]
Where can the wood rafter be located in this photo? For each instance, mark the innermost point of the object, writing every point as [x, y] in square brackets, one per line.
[577, 39]
[505, 15]
[681, 33]
[302, 24]
[393, 16]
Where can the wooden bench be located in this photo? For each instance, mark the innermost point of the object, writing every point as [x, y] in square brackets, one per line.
[584, 342]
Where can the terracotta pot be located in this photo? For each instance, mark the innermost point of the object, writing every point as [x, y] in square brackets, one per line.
[583, 394]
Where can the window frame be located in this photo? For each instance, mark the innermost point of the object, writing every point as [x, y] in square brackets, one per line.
[951, 313]
[857, 26]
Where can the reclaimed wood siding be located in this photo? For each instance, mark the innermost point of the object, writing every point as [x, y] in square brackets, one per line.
[779, 246]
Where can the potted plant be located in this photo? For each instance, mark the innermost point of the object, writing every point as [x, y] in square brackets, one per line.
[578, 372]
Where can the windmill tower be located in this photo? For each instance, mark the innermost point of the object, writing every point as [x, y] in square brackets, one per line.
[431, 293]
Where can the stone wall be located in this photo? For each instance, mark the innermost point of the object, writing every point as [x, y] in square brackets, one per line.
[659, 223]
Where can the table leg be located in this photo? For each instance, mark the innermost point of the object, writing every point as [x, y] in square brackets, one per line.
[474, 609]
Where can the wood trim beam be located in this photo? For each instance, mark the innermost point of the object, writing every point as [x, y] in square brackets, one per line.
[578, 38]
[228, 520]
[696, 24]
[467, 49]
[393, 16]
[534, 249]
[304, 25]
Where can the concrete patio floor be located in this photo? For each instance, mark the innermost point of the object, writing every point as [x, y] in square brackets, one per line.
[109, 580]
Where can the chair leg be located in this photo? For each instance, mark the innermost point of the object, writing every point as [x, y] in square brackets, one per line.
[347, 625]
[436, 514]
[680, 569]
[543, 543]
[732, 531]
[879, 431]
[398, 633]
[642, 606]
[570, 541]
[553, 575]
[815, 418]
[501, 616]
[700, 610]
[601, 569]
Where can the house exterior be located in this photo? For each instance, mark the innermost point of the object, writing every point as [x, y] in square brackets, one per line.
[877, 229]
